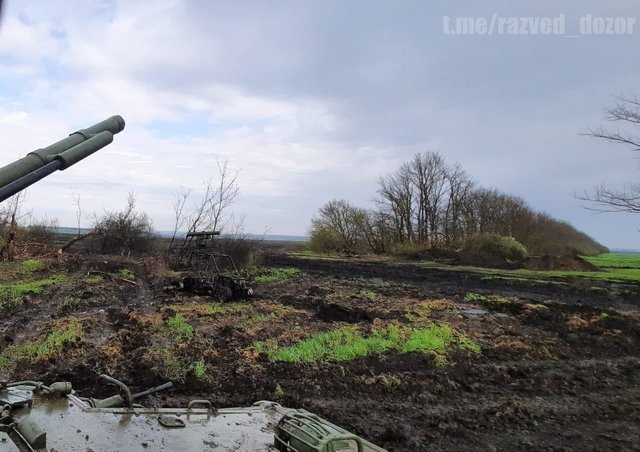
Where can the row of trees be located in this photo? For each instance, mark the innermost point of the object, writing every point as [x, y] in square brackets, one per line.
[434, 204]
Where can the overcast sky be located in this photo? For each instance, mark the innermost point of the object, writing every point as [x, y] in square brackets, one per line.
[311, 101]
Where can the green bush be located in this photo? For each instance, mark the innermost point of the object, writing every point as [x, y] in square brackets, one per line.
[324, 240]
[492, 250]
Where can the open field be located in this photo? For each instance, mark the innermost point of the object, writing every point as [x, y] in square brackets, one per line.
[411, 356]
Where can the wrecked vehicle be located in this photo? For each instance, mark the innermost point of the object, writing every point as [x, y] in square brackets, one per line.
[209, 272]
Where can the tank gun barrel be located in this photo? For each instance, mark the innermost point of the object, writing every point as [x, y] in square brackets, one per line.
[40, 163]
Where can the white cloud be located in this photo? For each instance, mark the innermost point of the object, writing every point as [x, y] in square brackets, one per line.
[308, 102]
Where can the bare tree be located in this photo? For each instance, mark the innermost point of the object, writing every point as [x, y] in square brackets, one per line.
[425, 199]
[428, 172]
[397, 200]
[344, 220]
[209, 210]
[9, 216]
[76, 201]
[605, 199]
[460, 187]
[376, 230]
[180, 219]
[627, 198]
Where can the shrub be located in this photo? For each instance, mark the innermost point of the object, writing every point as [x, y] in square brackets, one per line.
[323, 239]
[125, 231]
[243, 250]
[41, 231]
[492, 250]
[407, 250]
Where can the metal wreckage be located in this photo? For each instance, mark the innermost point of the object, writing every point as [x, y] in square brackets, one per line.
[39, 417]
[210, 272]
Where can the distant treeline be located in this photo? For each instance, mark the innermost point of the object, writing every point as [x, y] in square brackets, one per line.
[430, 203]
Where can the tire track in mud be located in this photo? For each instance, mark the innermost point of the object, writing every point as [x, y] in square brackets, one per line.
[499, 422]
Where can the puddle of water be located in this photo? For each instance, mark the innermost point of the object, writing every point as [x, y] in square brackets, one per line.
[477, 313]
[473, 312]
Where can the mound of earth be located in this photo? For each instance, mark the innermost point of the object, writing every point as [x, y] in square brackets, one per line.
[568, 263]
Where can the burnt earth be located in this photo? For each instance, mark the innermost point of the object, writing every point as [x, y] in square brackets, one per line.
[558, 367]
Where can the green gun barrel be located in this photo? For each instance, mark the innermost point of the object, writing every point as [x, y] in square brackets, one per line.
[20, 174]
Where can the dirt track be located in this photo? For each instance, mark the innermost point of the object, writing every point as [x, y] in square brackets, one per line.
[558, 367]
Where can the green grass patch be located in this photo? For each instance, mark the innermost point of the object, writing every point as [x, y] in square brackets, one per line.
[441, 361]
[208, 309]
[126, 273]
[474, 298]
[94, 279]
[277, 274]
[424, 310]
[493, 301]
[244, 315]
[168, 365]
[55, 341]
[67, 332]
[178, 325]
[262, 318]
[347, 343]
[32, 265]
[18, 289]
[371, 295]
[14, 271]
[200, 370]
[173, 367]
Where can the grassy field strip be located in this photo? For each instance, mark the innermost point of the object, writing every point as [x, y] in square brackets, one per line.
[623, 275]
[615, 267]
[615, 260]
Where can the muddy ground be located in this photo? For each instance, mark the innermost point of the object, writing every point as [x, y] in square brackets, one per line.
[558, 369]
